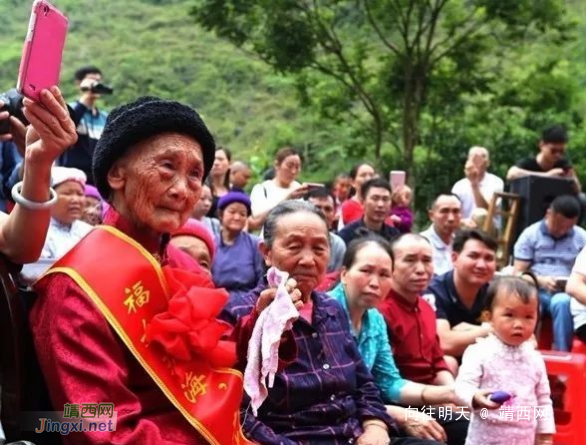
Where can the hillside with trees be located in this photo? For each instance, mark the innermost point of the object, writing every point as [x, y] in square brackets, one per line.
[408, 84]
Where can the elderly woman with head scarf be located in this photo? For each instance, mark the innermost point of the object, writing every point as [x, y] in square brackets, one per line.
[93, 206]
[238, 265]
[196, 240]
[66, 228]
[119, 321]
[323, 393]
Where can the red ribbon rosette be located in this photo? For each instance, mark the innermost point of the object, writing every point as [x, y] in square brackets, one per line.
[189, 328]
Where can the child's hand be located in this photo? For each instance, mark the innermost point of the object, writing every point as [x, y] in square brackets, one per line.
[395, 219]
[481, 400]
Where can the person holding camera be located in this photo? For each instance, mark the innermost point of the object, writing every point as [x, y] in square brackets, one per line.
[89, 120]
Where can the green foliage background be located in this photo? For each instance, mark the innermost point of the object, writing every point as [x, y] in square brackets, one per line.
[155, 47]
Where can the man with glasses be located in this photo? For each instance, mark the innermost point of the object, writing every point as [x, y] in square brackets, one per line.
[550, 161]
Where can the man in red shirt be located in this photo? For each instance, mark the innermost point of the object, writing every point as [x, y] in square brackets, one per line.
[411, 325]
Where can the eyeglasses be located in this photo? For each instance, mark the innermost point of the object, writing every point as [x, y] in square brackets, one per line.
[557, 151]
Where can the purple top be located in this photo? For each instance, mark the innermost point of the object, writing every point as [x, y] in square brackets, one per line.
[406, 215]
[238, 267]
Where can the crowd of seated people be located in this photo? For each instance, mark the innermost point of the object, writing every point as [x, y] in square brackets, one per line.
[162, 269]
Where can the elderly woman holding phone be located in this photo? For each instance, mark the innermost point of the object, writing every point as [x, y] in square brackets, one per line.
[50, 133]
[126, 319]
[324, 393]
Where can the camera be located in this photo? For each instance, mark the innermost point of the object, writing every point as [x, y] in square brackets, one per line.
[99, 88]
[13, 104]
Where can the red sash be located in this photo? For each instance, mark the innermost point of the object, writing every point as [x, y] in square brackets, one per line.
[133, 293]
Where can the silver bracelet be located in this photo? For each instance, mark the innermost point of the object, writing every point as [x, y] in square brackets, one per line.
[32, 205]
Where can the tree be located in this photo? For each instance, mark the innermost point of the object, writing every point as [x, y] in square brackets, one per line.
[394, 59]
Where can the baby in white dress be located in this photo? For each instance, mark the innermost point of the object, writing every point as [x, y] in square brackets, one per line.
[507, 361]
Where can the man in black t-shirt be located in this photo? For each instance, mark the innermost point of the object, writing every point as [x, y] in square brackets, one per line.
[459, 295]
[550, 161]
[376, 195]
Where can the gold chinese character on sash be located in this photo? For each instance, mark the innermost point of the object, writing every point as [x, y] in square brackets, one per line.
[193, 386]
[138, 296]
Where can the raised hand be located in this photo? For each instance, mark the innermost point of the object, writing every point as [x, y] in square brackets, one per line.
[51, 130]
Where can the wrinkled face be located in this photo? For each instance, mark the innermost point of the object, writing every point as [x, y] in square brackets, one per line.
[326, 205]
[365, 173]
[234, 217]
[558, 225]
[221, 163]
[342, 188]
[288, 170]
[301, 247]
[377, 204]
[239, 178]
[513, 320]
[476, 263]
[446, 215]
[70, 202]
[159, 181]
[92, 211]
[195, 248]
[368, 280]
[413, 266]
[552, 151]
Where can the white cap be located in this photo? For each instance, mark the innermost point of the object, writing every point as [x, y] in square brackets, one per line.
[59, 175]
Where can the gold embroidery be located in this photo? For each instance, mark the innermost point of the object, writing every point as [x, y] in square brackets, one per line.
[138, 296]
[193, 387]
[143, 338]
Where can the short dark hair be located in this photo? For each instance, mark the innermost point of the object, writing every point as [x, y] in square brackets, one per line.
[439, 195]
[401, 237]
[566, 205]
[82, 72]
[320, 193]
[463, 236]
[378, 183]
[356, 246]
[556, 135]
[511, 285]
[284, 209]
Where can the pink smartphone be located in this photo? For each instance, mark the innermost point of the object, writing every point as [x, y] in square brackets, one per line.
[40, 66]
[397, 179]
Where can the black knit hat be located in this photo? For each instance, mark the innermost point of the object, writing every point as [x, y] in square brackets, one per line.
[139, 120]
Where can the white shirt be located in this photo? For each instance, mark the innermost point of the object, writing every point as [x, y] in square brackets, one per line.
[268, 194]
[442, 252]
[60, 239]
[489, 185]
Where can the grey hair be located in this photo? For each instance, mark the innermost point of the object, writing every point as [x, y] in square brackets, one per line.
[284, 209]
